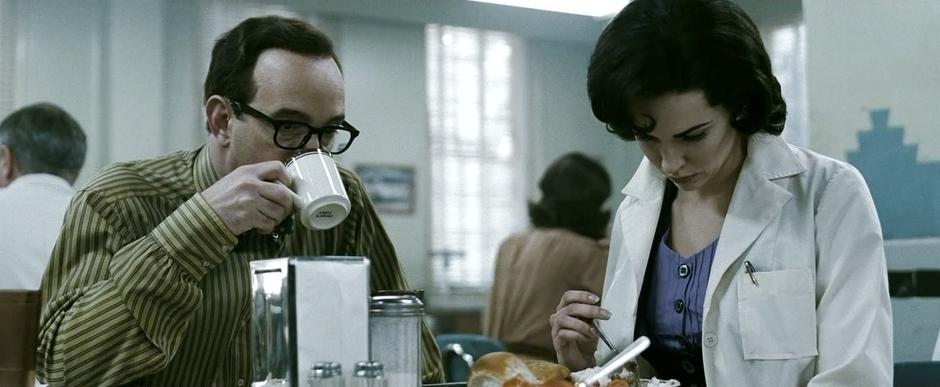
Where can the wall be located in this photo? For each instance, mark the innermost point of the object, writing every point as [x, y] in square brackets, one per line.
[386, 94]
[108, 64]
[874, 87]
[874, 91]
[873, 55]
[561, 115]
[61, 59]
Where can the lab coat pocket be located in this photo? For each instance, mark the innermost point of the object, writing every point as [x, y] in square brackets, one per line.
[778, 314]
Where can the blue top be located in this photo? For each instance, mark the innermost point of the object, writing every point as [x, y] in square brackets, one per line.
[677, 296]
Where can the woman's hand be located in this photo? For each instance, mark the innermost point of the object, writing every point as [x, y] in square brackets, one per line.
[572, 335]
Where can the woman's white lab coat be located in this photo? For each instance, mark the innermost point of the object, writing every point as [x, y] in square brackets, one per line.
[820, 314]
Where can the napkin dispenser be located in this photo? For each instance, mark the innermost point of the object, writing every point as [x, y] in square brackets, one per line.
[307, 310]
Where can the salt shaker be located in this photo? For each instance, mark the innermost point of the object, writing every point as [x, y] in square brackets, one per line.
[322, 375]
[378, 375]
[395, 337]
[369, 374]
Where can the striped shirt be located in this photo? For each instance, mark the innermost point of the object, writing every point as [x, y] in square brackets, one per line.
[147, 285]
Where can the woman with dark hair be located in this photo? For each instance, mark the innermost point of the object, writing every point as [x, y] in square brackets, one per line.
[565, 249]
[746, 261]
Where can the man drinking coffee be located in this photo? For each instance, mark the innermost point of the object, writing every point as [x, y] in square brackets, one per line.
[149, 280]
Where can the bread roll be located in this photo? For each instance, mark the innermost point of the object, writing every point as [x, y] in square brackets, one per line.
[496, 368]
[503, 369]
[546, 370]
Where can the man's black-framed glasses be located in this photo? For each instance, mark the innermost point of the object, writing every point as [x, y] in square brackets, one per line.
[294, 135]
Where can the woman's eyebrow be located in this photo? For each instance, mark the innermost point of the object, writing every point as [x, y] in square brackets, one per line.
[692, 129]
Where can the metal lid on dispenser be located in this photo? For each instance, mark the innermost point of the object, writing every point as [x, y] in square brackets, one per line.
[396, 305]
[321, 370]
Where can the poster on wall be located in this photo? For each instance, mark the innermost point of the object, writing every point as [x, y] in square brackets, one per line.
[390, 187]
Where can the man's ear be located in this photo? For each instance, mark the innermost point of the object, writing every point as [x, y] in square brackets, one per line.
[219, 116]
[7, 166]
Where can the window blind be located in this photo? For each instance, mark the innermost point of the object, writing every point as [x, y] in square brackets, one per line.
[787, 46]
[475, 152]
[7, 56]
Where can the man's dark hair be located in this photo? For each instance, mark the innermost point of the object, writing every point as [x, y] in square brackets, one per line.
[573, 190]
[43, 138]
[236, 52]
[656, 47]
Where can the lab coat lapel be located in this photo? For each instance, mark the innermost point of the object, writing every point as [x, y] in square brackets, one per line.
[646, 191]
[757, 200]
[639, 216]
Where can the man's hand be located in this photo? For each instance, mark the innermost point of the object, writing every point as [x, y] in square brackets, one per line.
[254, 196]
[572, 335]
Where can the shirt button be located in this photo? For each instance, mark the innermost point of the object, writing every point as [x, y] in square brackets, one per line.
[711, 340]
[680, 306]
[684, 270]
[205, 264]
[241, 382]
[688, 367]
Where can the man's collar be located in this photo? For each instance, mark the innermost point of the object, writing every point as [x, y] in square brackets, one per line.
[33, 179]
[203, 171]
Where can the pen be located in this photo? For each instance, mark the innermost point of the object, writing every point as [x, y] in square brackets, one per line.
[597, 327]
[603, 336]
[750, 271]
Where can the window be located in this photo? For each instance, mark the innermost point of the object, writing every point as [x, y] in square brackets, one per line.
[477, 197]
[787, 46]
[7, 56]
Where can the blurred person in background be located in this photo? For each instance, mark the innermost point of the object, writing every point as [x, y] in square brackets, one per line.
[566, 248]
[149, 283]
[42, 150]
[746, 261]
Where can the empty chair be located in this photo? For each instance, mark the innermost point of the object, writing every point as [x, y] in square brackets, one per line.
[18, 331]
[460, 350]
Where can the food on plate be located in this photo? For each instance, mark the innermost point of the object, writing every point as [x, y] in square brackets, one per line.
[500, 369]
[628, 376]
[653, 382]
[503, 369]
[625, 377]
[546, 370]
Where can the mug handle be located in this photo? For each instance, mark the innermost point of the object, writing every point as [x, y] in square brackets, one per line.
[298, 202]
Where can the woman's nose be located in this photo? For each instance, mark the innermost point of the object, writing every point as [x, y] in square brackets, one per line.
[672, 160]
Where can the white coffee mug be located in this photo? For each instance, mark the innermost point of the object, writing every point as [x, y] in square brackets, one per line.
[319, 196]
